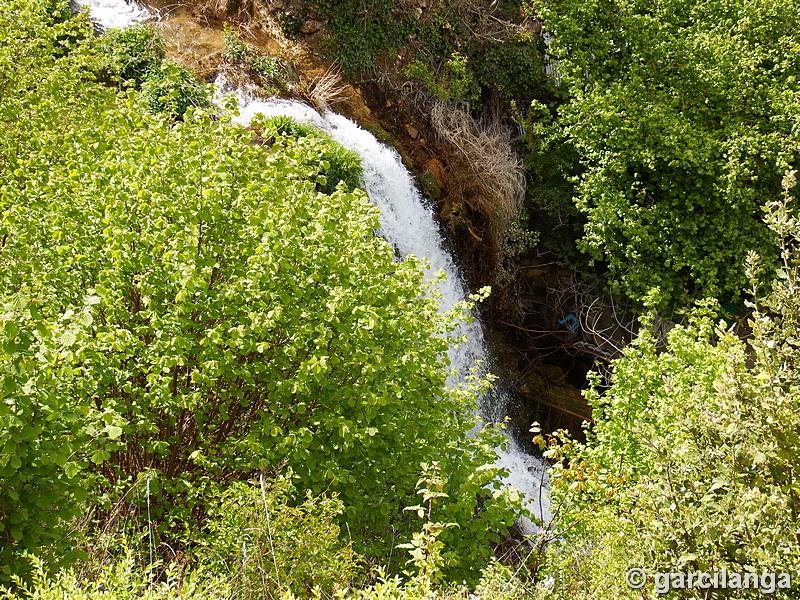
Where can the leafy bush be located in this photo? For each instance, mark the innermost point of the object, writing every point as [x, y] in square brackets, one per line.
[205, 352]
[691, 464]
[58, 10]
[289, 127]
[183, 307]
[512, 68]
[131, 54]
[683, 116]
[44, 434]
[244, 62]
[455, 83]
[265, 544]
[171, 89]
[335, 162]
[551, 167]
[470, 53]
[339, 165]
[261, 544]
[121, 580]
[359, 33]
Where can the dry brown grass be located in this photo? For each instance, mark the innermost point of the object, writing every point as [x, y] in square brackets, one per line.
[325, 89]
[485, 148]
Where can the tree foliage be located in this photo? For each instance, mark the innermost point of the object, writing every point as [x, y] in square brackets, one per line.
[692, 465]
[135, 56]
[171, 89]
[131, 53]
[336, 163]
[41, 428]
[187, 303]
[684, 115]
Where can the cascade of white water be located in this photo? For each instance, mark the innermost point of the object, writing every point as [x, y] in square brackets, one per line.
[114, 14]
[408, 223]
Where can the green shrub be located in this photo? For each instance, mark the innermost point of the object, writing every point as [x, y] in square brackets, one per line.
[244, 62]
[336, 163]
[513, 68]
[126, 578]
[131, 54]
[691, 465]
[44, 434]
[339, 165]
[59, 10]
[289, 127]
[551, 165]
[683, 116]
[171, 89]
[360, 32]
[121, 580]
[456, 82]
[259, 542]
[184, 308]
[265, 544]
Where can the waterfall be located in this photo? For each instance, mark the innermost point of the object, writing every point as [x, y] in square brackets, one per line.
[113, 14]
[408, 224]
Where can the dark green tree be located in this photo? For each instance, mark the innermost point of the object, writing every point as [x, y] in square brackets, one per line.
[684, 115]
[692, 464]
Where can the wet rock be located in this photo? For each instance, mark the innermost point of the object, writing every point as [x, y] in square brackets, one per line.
[532, 272]
[433, 178]
[533, 384]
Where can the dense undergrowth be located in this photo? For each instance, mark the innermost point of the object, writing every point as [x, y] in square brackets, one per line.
[188, 304]
[217, 382]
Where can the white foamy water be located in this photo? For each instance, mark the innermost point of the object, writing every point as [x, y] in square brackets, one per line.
[408, 224]
[114, 14]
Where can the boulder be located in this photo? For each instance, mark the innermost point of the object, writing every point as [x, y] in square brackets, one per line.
[436, 169]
